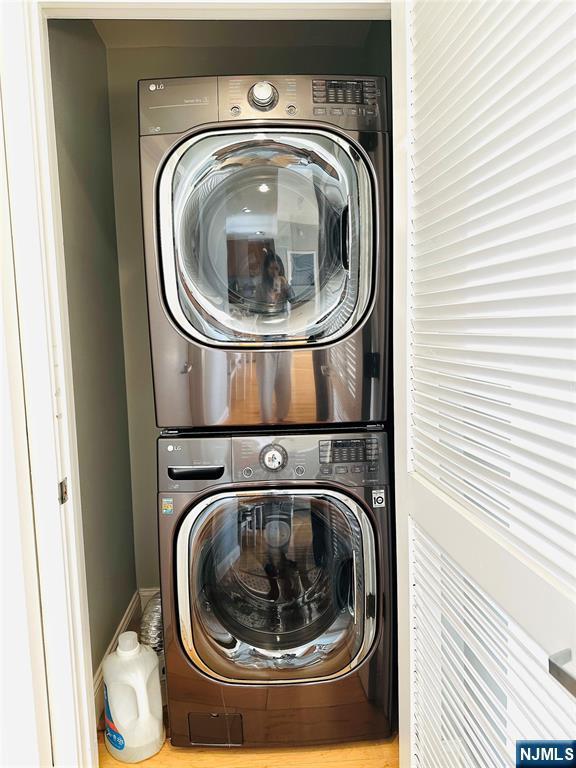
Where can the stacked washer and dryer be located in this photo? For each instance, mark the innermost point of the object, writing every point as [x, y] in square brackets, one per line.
[264, 210]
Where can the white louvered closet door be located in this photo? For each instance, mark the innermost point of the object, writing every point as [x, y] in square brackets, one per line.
[485, 366]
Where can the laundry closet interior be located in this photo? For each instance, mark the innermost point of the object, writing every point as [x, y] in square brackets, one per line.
[96, 67]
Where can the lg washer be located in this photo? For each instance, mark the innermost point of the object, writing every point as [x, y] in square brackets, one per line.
[277, 572]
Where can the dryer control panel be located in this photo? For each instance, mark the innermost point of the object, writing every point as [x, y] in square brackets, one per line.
[178, 104]
[355, 103]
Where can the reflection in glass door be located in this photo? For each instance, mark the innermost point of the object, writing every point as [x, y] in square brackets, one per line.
[273, 586]
[267, 238]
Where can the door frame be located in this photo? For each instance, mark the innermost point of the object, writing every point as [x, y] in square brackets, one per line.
[40, 285]
[22, 672]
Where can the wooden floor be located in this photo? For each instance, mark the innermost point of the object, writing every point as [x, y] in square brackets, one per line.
[363, 754]
[245, 400]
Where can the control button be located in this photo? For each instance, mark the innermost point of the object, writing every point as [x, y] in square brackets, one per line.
[370, 112]
[341, 470]
[372, 468]
[273, 457]
[319, 110]
[235, 110]
[378, 498]
[316, 83]
[357, 469]
[337, 111]
[247, 471]
[352, 111]
[300, 470]
[291, 109]
[326, 470]
[263, 95]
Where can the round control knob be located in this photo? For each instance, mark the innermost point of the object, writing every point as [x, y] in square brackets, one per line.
[263, 95]
[273, 457]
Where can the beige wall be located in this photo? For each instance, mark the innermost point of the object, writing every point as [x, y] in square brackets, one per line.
[125, 67]
[78, 61]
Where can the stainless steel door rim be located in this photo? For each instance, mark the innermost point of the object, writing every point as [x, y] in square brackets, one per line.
[187, 550]
[206, 319]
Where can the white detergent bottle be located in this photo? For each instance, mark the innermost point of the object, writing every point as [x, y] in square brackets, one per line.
[134, 729]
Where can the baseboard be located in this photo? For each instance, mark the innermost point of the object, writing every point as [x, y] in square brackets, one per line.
[134, 608]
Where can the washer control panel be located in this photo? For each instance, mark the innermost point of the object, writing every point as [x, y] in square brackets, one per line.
[348, 459]
[357, 455]
[191, 463]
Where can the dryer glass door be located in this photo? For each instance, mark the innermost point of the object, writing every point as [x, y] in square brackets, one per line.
[267, 238]
[274, 586]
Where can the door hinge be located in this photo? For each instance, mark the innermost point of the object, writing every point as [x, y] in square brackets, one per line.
[63, 491]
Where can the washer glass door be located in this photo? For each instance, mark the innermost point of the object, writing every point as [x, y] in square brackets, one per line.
[267, 238]
[273, 586]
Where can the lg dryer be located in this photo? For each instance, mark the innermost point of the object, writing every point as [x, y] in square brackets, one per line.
[264, 202]
[277, 574]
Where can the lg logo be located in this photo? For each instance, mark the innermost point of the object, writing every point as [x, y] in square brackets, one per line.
[156, 87]
[173, 448]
